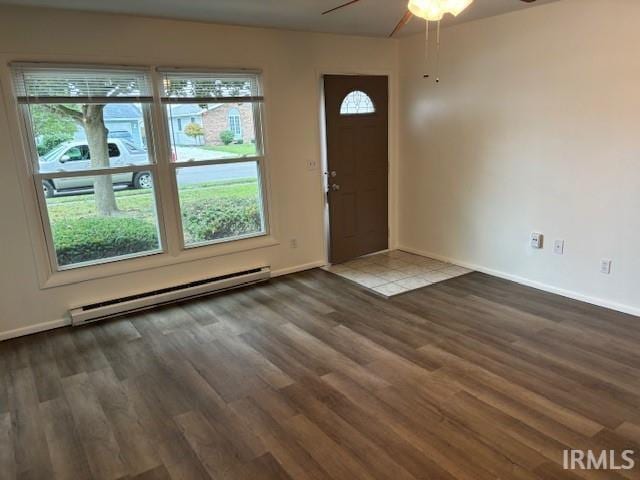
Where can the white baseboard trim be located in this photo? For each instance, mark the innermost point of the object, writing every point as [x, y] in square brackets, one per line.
[298, 268]
[50, 325]
[619, 307]
[37, 328]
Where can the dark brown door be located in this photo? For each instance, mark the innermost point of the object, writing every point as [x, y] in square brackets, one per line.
[356, 109]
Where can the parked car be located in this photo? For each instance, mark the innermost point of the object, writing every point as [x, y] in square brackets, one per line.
[121, 134]
[75, 156]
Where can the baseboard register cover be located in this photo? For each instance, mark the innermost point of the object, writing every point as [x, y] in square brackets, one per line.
[142, 301]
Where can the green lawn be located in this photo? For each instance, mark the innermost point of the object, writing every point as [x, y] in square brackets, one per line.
[243, 149]
[140, 203]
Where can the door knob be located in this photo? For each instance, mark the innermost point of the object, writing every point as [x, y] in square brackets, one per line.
[333, 173]
[335, 187]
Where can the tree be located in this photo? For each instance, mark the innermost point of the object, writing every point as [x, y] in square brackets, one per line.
[194, 130]
[91, 118]
[50, 129]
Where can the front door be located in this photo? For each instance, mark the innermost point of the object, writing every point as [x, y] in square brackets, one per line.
[356, 110]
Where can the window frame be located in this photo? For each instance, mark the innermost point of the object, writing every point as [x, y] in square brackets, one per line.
[165, 189]
[38, 177]
[259, 158]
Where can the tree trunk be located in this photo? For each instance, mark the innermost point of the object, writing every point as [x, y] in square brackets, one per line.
[96, 133]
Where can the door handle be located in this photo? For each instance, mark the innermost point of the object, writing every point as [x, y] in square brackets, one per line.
[335, 187]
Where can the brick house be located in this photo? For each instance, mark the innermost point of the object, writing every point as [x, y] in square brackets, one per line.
[235, 117]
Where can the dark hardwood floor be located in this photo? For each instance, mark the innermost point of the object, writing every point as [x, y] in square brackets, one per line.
[311, 377]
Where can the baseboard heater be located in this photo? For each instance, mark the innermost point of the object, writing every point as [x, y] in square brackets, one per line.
[143, 301]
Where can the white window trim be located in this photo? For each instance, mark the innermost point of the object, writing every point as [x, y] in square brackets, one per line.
[174, 253]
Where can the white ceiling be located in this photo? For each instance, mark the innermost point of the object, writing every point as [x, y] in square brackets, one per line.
[367, 17]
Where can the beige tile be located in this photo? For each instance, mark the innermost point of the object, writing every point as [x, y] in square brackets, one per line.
[371, 281]
[412, 283]
[393, 275]
[431, 267]
[434, 277]
[352, 274]
[411, 270]
[374, 268]
[389, 289]
[455, 270]
[359, 263]
[400, 255]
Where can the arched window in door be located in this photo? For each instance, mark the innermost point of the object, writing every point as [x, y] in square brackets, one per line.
[357, 103]
[235, 123]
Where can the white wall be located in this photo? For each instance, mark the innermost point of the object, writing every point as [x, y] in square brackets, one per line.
[534, 127]
[292, 64]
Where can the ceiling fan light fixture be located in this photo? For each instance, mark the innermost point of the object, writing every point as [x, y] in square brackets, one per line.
[455, 7]
[430, 10]
[434, 10]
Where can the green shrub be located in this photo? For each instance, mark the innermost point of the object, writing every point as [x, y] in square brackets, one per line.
[212, 219]
[86, 239]
[226, 137]
[51, 141]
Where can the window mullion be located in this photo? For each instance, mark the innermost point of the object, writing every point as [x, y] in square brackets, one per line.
[167, 188]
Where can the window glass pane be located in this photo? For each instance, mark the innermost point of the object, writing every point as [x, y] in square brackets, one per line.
[71, 137]
[87, 228]
[357, 103]
[220, 202]
[211, 131]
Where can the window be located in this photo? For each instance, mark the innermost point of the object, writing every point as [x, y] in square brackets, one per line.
[96, 186]
[235, 126]
[80, 174]
[220, 198]
[357, 103]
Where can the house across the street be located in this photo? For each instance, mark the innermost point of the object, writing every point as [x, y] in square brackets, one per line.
[214, 119]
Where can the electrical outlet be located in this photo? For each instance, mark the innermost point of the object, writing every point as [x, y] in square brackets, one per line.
[558, 247]
[537, 240]
[605, 266]
[293, 243]
[312, 164]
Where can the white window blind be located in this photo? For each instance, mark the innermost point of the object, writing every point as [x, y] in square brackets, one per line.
[210, 87]
[56, 84]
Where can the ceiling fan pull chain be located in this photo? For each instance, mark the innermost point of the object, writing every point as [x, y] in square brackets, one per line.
[438, 53]
[426, 51]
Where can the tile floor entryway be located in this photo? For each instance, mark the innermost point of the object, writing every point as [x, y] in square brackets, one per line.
[395, 272]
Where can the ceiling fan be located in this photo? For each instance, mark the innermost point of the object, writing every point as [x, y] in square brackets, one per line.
[429, 10]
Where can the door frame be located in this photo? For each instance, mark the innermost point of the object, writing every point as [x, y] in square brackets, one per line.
[392, 154]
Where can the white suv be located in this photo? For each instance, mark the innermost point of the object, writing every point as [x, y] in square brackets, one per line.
[74, 156]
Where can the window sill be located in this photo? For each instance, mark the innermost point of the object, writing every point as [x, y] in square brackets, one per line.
[157, 260]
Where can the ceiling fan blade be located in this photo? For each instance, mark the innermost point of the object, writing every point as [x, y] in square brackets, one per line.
[403, 21]
[340, 6]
